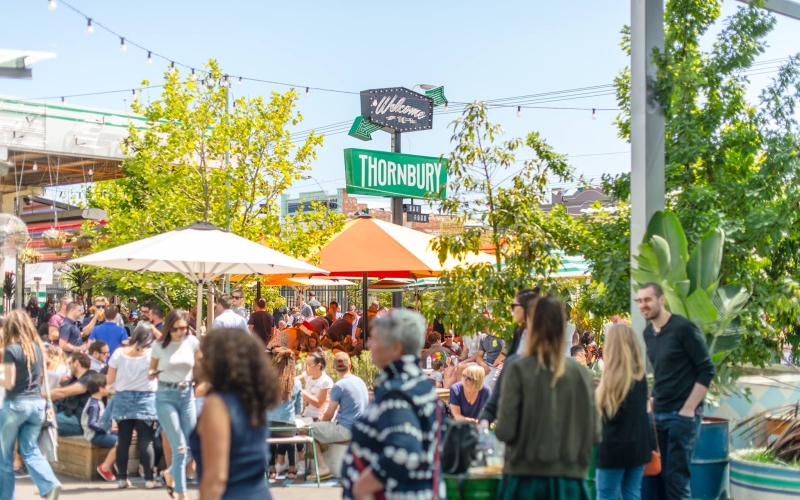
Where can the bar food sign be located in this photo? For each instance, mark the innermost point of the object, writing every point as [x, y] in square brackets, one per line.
[380, 173]
[399, 109]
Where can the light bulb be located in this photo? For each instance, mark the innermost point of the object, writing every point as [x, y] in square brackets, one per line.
[52, 5]
[91, 172]
[35, 166]
[122, 47]
[594, 115]
[62, 99]
[172, 68]
[89, 27]
[306, 91]
[192, 76]
[149, 58]
[135, 97]
[519, 111]
[445, 106]
[239, 83]
[203, 84]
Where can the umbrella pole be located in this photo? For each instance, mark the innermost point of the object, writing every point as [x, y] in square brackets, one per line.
[199, 305]
[364, 284]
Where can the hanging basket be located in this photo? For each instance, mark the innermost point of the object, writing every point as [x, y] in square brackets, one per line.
[83, 243]
[53, 238]
[29, 256]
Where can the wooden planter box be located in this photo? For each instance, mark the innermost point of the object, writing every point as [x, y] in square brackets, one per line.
[755, 481]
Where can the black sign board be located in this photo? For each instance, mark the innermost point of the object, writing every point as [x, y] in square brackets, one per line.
[416, 217]
[399, 109]
[412, 209]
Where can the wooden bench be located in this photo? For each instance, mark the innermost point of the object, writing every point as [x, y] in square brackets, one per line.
[79, 458]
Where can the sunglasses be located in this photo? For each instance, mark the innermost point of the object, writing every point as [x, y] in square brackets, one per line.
[515, 304]
[448, 336]
[467, 378]
[99, 307]
[237, 298]
[179, 329]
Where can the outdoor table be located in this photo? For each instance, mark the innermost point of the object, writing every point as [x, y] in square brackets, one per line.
[474, 485]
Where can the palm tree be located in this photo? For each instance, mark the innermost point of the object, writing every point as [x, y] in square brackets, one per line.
[79, 279]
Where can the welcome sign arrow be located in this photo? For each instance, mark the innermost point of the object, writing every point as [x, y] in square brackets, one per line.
[362, 129]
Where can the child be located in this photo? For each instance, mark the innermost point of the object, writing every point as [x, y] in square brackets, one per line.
[90, 421]
[437, 376]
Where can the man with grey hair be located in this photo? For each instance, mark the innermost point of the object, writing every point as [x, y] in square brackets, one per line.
[392, 446]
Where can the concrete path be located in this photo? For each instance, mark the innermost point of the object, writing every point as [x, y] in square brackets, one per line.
[77, 490]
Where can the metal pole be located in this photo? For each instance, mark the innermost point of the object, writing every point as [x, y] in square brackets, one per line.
[364, 284]
[19, 291]
[647, 129]
[199, 305]
[227, 168]
[397, 217]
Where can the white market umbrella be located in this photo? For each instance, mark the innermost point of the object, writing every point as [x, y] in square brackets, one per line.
[200, 252]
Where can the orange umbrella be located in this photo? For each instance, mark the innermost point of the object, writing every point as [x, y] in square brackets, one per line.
[378, 249]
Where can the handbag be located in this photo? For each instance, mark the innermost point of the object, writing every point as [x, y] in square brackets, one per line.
[48, 439]
[653, 467]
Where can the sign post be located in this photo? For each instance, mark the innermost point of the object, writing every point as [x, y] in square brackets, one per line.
[395, 110]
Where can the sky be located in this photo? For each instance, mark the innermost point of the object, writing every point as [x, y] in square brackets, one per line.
[477, 50]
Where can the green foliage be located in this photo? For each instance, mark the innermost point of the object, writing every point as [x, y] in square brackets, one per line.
[364, 368]
[174, 174]
[79, 279]
[9, 286]
[730, 164]
[691, 287]
[508, 217]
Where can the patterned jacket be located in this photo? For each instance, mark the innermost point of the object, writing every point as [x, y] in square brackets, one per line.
[397, 434]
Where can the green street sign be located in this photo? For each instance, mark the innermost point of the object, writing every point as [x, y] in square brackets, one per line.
[437, 95]
[380, 173]
[363, 128]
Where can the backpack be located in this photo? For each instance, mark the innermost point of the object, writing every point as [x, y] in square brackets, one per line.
[459, 446]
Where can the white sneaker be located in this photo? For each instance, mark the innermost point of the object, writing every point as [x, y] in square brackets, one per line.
[151, 485]
[301, 469]
[281, 468]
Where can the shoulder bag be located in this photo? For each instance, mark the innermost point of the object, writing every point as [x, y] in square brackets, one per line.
[653, 467]
[48, 439]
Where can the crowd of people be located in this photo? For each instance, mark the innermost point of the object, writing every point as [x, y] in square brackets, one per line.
[201, 402]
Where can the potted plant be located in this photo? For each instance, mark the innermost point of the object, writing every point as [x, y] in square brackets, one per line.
[53, 238]
[83, 241]
[692, 288]
[770, 470]
[29, 256]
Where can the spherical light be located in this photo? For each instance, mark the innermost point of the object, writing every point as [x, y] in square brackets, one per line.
[594, 115]
[239, 83]
[519, 111]
[51, 5]
[91, 172]
[149, 58]
[122, 47]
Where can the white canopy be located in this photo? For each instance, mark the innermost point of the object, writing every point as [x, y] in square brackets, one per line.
[200, 252]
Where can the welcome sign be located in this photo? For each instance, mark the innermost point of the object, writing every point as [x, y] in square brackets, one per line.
[397, 175]
[399, 109]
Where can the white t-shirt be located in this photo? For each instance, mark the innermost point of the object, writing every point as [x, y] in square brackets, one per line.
[132, 372]
[54, 376]
[314, 387]
[177, 360]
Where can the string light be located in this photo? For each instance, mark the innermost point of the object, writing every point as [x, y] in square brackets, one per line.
[89, 27]
[122, 47]
[519, 111]
[52, 6]
[192, 76]
[149, 58]
[135, 97]
[62, 99]
[35, 166]
[239, 83]
[594, 115]
[445, 106]
[91, 172]
[172, 68]
[306, 91]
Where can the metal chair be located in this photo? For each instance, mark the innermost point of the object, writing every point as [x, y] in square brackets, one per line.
[308, 440]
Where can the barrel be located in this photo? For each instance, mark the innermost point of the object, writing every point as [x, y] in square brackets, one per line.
[710, 466]
[475, 487]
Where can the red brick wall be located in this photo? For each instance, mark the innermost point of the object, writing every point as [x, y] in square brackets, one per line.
[351, 205]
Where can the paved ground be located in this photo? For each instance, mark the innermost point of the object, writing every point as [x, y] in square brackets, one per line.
[75, 490]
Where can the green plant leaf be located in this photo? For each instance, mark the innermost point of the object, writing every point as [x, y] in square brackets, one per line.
[682, 288]
[666, 225]
[705, 261]
[700, 308]
[674, 302]
[661, 251]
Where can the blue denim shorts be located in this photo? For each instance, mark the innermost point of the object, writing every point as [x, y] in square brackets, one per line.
[105, 440]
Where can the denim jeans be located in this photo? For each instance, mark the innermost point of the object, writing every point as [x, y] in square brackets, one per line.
[613, 482]
[677, 437]
[177, 415]
[23, 420]
[69, 426]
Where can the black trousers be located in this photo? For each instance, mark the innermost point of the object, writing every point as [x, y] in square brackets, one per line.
[145, 435]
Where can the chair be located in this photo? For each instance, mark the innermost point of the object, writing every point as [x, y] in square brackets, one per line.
[307, 440]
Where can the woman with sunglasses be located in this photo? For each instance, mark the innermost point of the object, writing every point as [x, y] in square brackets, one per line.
[547, 415]
[172, 363]
[133, 406]
[469, 396]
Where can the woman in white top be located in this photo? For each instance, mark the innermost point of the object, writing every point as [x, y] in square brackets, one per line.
[172, 363]
[318, 387]
[133, 406]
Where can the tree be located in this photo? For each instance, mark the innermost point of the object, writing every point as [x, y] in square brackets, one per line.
[507, 218]
[79, 279]
[730, 164]
[175, 174]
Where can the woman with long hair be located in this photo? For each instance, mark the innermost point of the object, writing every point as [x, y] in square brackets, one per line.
[23, 412]
[547, 415]
[290, 404]
[230, 442]
[622, 401]
[172, 363]
[133, 406]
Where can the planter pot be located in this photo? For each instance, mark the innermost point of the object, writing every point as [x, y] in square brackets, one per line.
[54, 242]
[710, 466]
[83, 243]
[755, 481]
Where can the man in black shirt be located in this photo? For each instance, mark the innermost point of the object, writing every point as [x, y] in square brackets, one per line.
[72, 396]
[261, 322]
[341, 328]
[682, 370]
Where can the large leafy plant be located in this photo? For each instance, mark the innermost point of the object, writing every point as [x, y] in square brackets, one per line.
[692, 287]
